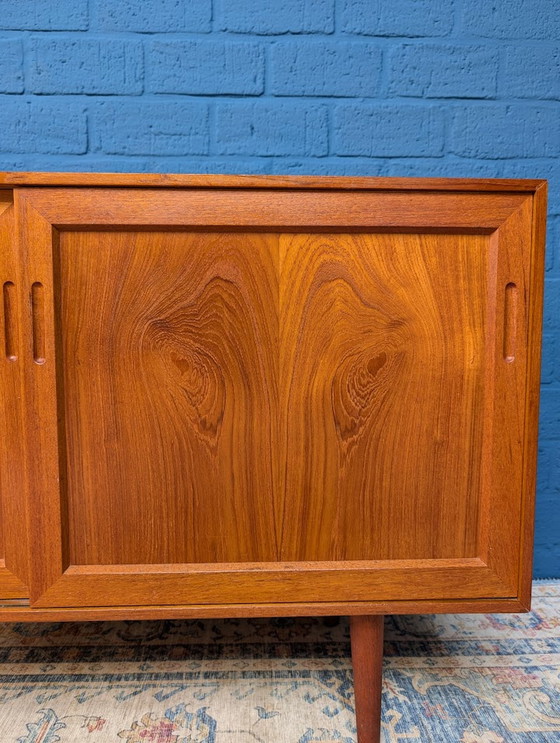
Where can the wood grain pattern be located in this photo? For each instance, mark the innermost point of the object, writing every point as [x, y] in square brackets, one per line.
[41, 487]
[18, 610]
[281, 582]
[195, 180]
[503, 448]
[340, 353]
[169, 371]
[13, 544]
[168, 433]
[383, 353]
[535, 265]
[280, 211]
[366, 636]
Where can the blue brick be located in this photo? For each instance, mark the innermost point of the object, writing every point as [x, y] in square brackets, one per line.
[514, 19]
[444, 71]
[210, 164]
[9, 162]
[552, 304]
[81, 65]
[272, 128]
[545, 463]
[274, 17]
[87, 162]
[97, 164]
[550, 413]
[547, 558]
[548, 518]
[506, 131]
[42, 15]
[531, 71]
[547, 542]
[398, 17]
[11, 66]
[329, 166]
[548, 470]
[153, 15]
[388, 131]
[211, 67]
[151, 127]
[48, 126]
[553, 245]
[550, 367]
[443, 168]
[325, 68]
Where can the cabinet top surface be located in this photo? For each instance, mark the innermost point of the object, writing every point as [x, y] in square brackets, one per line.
[153, 180]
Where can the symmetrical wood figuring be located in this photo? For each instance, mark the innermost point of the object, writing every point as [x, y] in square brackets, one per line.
[279, 392]
[179, 360]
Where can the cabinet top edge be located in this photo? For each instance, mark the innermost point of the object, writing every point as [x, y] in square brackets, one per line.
[180, 180]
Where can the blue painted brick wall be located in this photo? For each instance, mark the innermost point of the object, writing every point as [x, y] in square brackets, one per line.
[377, 87]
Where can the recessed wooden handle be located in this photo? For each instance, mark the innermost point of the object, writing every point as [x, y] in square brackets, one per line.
[38, 322]
[510, 322]
[9, 299]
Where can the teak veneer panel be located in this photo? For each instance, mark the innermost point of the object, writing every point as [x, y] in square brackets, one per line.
[169, 369]
[301, 393]
[382, 355]
[207, 363]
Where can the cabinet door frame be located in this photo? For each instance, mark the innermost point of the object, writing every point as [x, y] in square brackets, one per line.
[13, 563]
[514, 222]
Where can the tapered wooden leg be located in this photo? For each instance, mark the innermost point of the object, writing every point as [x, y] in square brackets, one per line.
[366, 637]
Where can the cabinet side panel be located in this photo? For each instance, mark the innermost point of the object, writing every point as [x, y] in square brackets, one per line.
[534, 334]
[168, 391]
[382, 370]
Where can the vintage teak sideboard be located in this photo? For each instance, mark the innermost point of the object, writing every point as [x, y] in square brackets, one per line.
[269, 396]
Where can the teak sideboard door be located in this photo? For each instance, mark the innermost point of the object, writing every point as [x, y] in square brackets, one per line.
[256, 396]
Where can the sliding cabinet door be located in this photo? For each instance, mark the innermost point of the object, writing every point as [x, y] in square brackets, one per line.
[257, 396]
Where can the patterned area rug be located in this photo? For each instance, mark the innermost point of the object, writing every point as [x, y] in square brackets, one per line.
[464, 679]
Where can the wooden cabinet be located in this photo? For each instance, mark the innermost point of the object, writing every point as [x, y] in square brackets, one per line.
[267, 396]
